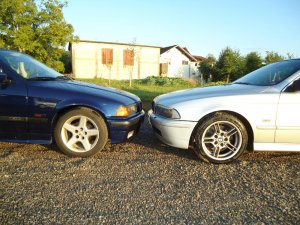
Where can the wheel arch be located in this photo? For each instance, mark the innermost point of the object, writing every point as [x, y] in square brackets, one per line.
[239, 116]
[69, 108]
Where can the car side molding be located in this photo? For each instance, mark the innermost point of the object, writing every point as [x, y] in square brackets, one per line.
[278, 147]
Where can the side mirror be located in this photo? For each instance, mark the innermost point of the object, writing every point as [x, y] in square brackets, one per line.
[294, 87]
[4, 79]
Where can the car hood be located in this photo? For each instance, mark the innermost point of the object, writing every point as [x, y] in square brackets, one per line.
[211, 92]
[87, 87]
[72, 87]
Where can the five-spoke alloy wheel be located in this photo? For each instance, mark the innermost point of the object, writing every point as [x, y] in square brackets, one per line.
[81, 132]
[220, 138]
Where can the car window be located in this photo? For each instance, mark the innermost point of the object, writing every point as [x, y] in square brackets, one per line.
[19, 67]
[26, 66]
[271, 74]
[294, 86]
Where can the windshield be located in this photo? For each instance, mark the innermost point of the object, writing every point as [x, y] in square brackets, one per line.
[271, 74]
[27, 67]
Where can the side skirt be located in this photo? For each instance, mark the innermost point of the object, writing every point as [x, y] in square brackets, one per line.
[279, 147]
[41, 142]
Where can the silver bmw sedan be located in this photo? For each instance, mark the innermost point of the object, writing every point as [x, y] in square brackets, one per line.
[260, 112]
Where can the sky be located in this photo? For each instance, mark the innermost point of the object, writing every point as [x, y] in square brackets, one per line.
[202, 26]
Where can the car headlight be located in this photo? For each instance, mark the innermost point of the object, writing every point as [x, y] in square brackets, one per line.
[166, 112]
[126, 110]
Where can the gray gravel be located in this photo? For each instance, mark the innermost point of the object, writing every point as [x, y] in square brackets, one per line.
[146, 182]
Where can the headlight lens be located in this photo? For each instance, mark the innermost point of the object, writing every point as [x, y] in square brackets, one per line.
[166, 112]
[126, 110]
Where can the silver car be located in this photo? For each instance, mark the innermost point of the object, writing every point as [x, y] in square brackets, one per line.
[260, 112]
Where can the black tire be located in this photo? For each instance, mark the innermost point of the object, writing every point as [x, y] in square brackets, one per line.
[81, 132]
[220, 138]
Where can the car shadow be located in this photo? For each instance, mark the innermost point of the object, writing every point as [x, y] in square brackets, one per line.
[147, 139]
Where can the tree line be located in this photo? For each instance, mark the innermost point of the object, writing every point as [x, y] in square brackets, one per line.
[231, 65]
[37, 28]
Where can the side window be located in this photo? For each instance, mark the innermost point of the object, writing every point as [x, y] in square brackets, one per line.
[294, 87]
[25, 68]
[18, 66]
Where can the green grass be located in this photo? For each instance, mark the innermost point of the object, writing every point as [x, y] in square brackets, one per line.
[149, 88]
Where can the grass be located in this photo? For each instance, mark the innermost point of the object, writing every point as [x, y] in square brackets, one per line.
[147, 89]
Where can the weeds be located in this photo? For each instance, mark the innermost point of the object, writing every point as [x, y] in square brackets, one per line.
[149, 88]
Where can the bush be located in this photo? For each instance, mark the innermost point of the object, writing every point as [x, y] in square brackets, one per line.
[165, 81]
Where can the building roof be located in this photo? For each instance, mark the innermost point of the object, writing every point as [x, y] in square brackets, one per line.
[181, 49]
[114, 43]
[199, 58]
[165, 49]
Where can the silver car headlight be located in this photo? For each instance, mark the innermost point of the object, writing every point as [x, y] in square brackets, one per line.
[166, 112]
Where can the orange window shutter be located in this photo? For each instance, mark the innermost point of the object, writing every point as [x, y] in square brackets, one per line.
[125, 57]
[107, 56]
[110, 56]
[128, 57]
[131, 57]
[103, 56]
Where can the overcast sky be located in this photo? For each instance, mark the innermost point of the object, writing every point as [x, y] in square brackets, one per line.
[203, 26]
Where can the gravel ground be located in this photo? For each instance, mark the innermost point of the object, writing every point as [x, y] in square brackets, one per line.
[146, 182]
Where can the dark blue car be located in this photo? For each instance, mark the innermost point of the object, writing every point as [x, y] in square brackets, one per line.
[39, 105]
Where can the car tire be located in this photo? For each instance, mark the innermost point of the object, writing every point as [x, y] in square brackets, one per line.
[220, 138]
[81, 132]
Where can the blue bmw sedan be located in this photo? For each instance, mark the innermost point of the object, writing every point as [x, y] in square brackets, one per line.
[40, 106]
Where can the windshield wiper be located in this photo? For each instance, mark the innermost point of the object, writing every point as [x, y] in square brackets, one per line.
[42, 78]
[49, 78]
[62, 77]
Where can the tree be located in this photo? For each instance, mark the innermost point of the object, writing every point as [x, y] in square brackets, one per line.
[230, 65]
[272, 57]
[207, 68]
[66, 60]
[132, 53]
[253, 61]
[38, 30]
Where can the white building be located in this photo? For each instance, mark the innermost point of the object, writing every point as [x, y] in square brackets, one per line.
[117, 61]
[120, 61]
[176, 61]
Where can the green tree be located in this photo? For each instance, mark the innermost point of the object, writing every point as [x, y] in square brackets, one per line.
[207, 67]
[272, 57]
[38, 30]
[66, 60]
[253, 61]
[230, 65]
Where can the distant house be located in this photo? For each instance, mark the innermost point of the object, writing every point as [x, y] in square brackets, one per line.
[119, 61]
[176, 61]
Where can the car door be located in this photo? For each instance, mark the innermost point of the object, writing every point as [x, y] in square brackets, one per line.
[288, 116]
[13, 106]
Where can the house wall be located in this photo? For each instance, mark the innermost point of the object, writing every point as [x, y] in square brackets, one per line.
[87, 61]
[174, 58]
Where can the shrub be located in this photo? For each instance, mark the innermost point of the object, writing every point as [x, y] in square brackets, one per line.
[166, 81]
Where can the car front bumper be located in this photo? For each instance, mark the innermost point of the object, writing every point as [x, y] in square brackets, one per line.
[120, 130]
[175, 133]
